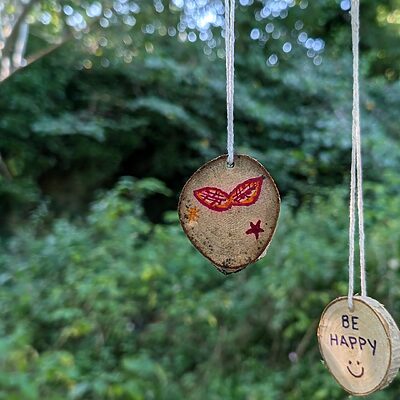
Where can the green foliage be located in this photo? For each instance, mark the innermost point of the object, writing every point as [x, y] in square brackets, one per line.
[124, 102]
[115, 307]
[163, 116]
[68, 124]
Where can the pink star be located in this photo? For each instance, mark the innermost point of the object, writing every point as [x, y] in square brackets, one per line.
[255, 228]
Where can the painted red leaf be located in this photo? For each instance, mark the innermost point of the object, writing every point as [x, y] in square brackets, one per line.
[213, 198]
[247, 192]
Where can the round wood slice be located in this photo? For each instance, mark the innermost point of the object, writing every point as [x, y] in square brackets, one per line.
[361, 348]
[230, 214]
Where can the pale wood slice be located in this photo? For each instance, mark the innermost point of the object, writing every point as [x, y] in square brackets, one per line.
[230, 214]
[361, 348]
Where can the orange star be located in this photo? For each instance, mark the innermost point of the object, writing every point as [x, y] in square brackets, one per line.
[193, 214]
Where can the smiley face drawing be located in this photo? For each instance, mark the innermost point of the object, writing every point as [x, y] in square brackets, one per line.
[355, 374]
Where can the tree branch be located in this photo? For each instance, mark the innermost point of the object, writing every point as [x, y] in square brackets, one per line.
[20, 46]
[68, 35]
[42, 53]
[12, 38]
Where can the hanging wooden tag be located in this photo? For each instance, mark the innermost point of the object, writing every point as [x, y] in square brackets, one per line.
[361, 348]
[230, 214]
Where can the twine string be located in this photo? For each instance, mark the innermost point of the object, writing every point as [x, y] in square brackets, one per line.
[230, 72]
[356, 181]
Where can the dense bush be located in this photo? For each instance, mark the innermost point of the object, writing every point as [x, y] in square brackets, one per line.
[163, 116]
[115, 307]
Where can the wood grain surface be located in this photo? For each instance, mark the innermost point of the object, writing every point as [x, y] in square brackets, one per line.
[230, 214]
[361, 347]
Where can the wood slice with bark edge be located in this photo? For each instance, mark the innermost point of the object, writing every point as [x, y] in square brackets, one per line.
[367, 373]
[217, 227]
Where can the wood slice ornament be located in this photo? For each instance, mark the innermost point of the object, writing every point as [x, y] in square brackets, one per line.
[361, 347]
[230, 213]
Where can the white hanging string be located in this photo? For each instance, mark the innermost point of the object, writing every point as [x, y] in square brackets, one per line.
[230, 73]
[356, 182]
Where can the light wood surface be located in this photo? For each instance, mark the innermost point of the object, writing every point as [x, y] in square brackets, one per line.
[235, 230]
